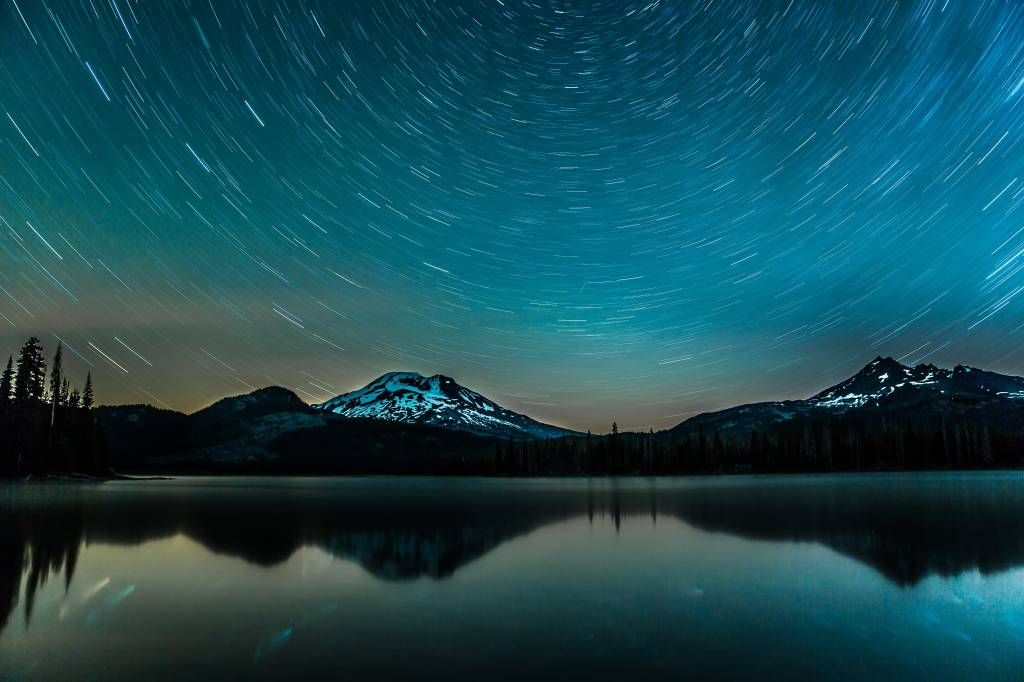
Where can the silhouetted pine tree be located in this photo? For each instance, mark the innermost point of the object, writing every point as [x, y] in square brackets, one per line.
[7, 383]
[58, 386]
[30, 379]
[57, 378]
[87, 397]
[44, 432]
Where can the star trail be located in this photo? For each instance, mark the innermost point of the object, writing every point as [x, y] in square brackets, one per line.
[585, 210]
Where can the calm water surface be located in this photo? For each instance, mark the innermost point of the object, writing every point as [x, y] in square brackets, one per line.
[853, 577]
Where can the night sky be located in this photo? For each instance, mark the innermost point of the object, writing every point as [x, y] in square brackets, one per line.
[586, 211]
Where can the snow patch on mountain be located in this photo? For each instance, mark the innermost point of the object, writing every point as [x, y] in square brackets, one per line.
[886, 381]
[438, 400]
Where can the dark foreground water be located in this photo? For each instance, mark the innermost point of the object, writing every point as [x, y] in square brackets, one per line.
[853, 577]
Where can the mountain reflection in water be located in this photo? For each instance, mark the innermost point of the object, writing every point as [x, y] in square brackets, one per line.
[906, 527]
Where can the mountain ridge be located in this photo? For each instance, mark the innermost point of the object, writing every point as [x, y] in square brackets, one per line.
[401, 423]
[883, 386]
[886, 416]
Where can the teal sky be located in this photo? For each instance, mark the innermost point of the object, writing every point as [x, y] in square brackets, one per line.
[587, 211]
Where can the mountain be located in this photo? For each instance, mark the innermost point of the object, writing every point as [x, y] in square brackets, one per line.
[272, 431]
[230, 430]
[412, 398]
[251, 415]
[887, 415]
[887, 384]
[260, 402]
[884, 387]
[142, 431]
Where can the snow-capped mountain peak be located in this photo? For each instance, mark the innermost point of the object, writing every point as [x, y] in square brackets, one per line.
[887, 381]
[882, 387]
[879, 379]
[437, 400]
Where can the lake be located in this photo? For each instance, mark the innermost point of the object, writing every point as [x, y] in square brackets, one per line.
[802, 577]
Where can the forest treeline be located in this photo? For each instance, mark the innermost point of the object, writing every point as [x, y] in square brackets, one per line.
[47, 425]
[147, 442]
[847, 443]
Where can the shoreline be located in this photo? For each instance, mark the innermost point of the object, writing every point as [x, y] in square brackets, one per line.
[89, 478]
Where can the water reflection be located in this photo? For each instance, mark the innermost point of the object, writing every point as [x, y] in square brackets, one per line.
[905, 527]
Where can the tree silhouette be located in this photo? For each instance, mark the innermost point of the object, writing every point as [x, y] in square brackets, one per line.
[57, 377]
[44, 432]
[30, 379]
[87, 397]
[57, 384]
[7, 382]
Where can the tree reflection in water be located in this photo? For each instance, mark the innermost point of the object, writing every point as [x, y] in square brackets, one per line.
[904, 526]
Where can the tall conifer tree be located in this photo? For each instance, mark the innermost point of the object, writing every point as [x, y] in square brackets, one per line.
[7, 383]
[30, 377]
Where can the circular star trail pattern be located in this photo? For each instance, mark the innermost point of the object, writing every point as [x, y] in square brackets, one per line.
[586, 210]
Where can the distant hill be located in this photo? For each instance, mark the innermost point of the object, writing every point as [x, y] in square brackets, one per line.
[142, 431]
